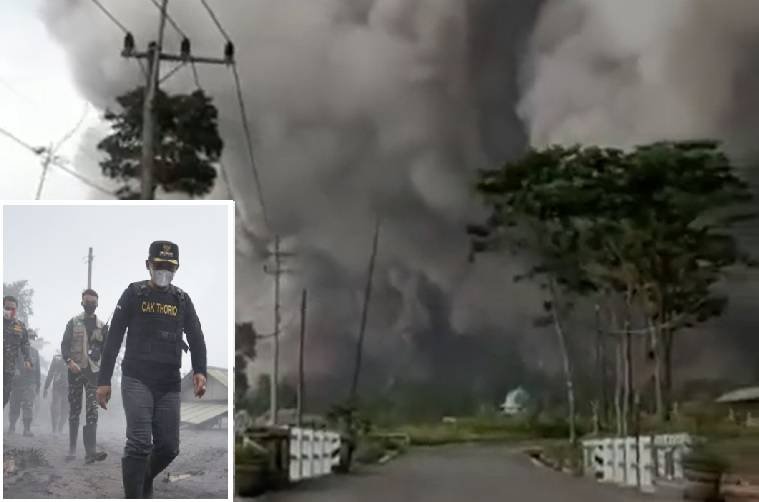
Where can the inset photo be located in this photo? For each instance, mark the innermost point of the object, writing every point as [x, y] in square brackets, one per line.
[117, 320]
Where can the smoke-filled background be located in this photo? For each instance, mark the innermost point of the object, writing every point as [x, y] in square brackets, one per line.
[366, 107]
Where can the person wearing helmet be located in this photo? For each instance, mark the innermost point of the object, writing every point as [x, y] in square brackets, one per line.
[155, 314]
[15, 343]
[57, 375]
[84, 334]
[25, 388]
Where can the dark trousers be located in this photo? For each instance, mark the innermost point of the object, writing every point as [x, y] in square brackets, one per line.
[152, 420]
[7, 385]
[84, 381]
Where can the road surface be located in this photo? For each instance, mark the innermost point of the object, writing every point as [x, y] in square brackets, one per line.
[200, 470]
[464, 473]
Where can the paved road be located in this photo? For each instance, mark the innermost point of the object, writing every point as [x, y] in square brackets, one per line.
[457, 474]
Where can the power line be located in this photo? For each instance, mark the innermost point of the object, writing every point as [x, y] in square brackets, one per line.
[121, 26]
[170, 20]
[216, 21]
[243, 115]
[249, 143]
[110, 16]
[56, 161]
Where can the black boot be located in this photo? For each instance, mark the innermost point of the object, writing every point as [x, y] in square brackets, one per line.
[12, 426]
[89, 435]
[27, 428]
[156, 464]
[73, 433]
[133, 470]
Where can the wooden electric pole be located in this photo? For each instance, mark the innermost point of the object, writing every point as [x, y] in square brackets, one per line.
[301, 349]
[154, 55]
[89, 269]
[364, 314]
[277, 272]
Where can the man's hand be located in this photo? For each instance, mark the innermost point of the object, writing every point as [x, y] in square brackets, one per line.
[28, 365]
[199, 379]
[74, 367]
[103, 395]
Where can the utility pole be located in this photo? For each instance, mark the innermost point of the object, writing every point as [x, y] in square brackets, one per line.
[277, 272]
[301, 349]
[364, 313]
[49, 154]
[89, 269]
[155, 55]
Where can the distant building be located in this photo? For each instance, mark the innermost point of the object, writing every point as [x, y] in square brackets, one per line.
[211, 410]
[516, 402]
[744, 405]
[289, 416]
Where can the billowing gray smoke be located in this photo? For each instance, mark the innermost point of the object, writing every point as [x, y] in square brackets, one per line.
[364, 107]
[359, 108]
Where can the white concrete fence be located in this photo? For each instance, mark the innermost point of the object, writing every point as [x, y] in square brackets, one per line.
[313, 453]
[641, 462]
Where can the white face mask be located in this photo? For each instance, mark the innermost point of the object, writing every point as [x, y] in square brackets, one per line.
[161, 278]
[7, 314]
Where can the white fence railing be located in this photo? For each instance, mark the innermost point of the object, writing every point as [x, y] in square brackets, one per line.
[313, 453]
[632, 461]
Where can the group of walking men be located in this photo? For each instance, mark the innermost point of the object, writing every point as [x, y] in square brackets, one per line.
[155, 314]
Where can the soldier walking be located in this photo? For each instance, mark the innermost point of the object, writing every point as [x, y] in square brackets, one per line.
[81, 346]
[24, 390]
[57, 374]
[156, 314]
[15, 342]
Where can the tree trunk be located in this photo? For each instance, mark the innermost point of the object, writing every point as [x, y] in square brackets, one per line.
[667, 340]
[618, 385]
[627, 379]
[656, 355]
[567, 365]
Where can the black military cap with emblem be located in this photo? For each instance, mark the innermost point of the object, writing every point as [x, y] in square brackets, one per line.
[164, 251]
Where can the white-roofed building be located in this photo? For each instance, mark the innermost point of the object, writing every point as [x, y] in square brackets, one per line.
[210, 410]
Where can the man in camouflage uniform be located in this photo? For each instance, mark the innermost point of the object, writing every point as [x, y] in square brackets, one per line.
[24, 390]
[15, 342]
[59, 404]
[81, 348]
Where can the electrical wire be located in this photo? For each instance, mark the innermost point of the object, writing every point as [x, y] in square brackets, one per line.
[170, 20]
[249, 144]
[215, 20]
[123, 28]
[110, 16]
[56, 161]
[245, 123]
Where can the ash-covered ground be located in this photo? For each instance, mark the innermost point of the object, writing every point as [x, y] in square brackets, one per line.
[35, 467]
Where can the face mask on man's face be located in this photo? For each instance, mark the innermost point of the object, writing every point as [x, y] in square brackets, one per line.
[161, 278]
[89, 308]
[9, 313]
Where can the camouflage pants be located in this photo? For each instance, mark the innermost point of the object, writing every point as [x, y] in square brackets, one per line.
[84, 381]
[22, 401]
[7, 383]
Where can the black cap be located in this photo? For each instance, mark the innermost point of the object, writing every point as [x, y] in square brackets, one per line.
[164, 251]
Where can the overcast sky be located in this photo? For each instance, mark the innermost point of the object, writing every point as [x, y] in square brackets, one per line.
[47, 245]
[40, 105]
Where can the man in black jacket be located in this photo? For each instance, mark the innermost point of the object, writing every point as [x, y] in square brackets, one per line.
[156, 315]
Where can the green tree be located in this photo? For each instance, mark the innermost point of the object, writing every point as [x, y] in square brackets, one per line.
[651, 224]
[187, 143]
[24, 294]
